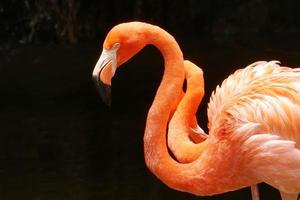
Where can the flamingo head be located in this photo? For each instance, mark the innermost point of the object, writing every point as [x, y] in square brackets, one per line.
[121, 43]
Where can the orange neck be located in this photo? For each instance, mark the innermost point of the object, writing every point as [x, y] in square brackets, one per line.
[175, 175]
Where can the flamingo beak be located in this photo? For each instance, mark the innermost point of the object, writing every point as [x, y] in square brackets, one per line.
[104, 72]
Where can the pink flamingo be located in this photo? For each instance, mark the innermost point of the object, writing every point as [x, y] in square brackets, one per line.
[253, 119]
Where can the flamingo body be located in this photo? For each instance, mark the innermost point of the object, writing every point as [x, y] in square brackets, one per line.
[262, 103]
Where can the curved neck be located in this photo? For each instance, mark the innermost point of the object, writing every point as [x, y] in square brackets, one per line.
[157, 157]
[173, 77]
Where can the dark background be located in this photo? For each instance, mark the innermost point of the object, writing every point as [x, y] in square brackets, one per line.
[57, 138]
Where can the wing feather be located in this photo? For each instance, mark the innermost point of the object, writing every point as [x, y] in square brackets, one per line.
[275, 161]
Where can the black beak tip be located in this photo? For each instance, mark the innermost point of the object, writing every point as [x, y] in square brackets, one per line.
[105, 93]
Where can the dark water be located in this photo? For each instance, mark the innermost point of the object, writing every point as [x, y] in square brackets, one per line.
[59, 141]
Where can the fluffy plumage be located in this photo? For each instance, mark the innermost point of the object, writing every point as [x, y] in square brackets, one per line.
[260, 105]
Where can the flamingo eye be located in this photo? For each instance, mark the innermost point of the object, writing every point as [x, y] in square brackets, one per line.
[115, 46]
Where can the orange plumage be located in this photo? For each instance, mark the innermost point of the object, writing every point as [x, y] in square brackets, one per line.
[254, 120]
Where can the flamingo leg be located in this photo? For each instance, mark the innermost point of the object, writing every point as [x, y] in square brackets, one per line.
[254, 192]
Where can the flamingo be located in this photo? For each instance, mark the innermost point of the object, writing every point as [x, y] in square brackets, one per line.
[253, 119]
